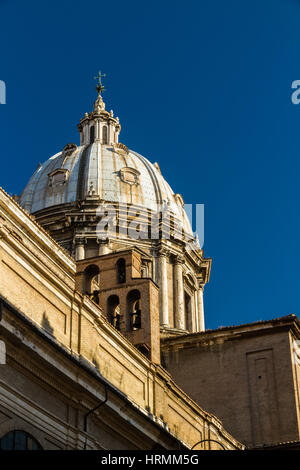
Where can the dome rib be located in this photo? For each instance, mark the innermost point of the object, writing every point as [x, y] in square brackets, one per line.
[148, 165]
[81, 173]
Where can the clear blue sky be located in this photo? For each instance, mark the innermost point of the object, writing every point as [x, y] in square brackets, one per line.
[202, 87]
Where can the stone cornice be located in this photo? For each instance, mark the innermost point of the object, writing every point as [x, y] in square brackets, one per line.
[39, 260]
[29, 223]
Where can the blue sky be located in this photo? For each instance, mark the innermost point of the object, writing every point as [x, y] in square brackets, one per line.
[202, 87]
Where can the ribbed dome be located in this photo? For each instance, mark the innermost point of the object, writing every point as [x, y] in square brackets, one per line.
[111, 172]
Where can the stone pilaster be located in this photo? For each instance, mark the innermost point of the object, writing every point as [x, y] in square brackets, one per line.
[179, 293]
[163, 285]
[110, 133]
[97, 130]
[200, 308]
[193, 315]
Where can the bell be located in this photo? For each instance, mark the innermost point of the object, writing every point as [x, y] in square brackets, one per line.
[136, 319]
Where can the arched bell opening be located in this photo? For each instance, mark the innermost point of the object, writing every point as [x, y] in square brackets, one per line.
[113, 311]
[121, 271]
[91, 281]
[134, 309]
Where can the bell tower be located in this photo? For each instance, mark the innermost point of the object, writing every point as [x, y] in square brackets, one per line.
[129, 301]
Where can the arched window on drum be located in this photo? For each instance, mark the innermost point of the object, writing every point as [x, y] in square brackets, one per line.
[104, 135]
[92, 134]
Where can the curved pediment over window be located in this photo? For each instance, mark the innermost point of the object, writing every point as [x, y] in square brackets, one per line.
[129, 175]
[69, 149]
[58, 177]
[121, 149]
[190, 279]
[179, 199]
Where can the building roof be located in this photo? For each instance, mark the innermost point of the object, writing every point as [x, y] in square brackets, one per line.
[279, 446]
[247, 328]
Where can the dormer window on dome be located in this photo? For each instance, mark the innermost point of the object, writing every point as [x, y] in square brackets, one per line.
[69, 149]
[179, 200]
[121, 149]
[129, 175]
[58, 177]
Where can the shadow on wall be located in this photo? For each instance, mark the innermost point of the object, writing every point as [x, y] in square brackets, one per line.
[46, 324]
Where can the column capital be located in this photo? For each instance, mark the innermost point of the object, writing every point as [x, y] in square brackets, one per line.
[102, 241]
[178, 259]
[80, 241]
[162, 251]
[200, 284]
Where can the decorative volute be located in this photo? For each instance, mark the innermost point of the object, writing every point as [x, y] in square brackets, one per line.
[99, 125]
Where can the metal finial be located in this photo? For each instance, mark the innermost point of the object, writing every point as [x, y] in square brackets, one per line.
[100, 88]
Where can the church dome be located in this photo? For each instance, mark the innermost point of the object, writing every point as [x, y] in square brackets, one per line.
[102, 168]
[99, 198]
